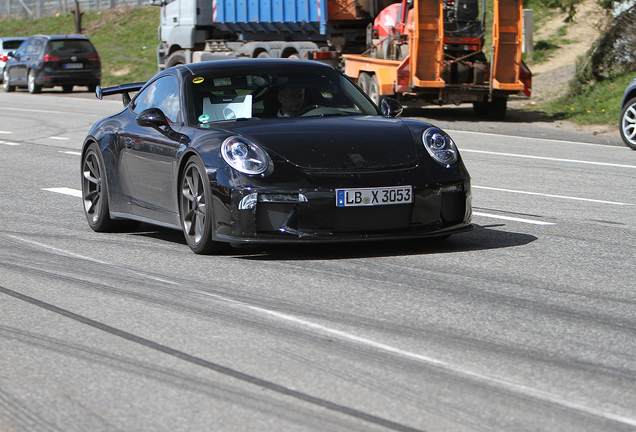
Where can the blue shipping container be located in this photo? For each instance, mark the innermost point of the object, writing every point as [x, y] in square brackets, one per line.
[271, 15]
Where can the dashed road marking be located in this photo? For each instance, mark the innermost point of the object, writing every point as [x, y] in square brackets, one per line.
[65, 191]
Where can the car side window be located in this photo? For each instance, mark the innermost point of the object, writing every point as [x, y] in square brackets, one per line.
[23, 48]
[35, 46]
[162, 94]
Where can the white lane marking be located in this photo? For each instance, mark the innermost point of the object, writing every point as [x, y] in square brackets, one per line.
[548, 159]
[552, 196]
[5, 132]
[497, 382]
[52, 112]
[82, 257]
[58, 138]
[72, 153]
[535, 139]
[513, 219]
[9, 143]
[65, 191]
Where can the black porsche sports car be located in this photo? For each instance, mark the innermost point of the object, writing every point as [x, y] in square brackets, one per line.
[265, 151]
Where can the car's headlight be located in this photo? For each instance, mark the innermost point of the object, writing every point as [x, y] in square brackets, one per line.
[440, 146]
[245, 156]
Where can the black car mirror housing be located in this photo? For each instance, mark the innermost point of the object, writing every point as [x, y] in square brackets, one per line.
[391, 107]
[153, 117]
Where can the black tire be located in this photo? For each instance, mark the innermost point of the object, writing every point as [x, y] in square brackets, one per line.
[67, 88]
[95, 191]
[176, 58]
[497, 108]
[628, 124]
[5, 81]
[31, 85]
[195, 209]
[480, 108]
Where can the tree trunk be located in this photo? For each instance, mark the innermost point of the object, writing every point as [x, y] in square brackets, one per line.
[77, 16]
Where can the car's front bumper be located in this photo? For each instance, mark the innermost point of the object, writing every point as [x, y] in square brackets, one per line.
[254, 215]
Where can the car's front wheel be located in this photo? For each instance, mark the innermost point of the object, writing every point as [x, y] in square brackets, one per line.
[195, 208]
[32, 86]
[628, 124]
[5, 82]
[95, 191]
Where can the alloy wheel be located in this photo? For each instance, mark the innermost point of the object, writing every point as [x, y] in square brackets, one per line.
[32, 86]
[193, 204]
[5, 81]
[92, 191]
[628, 124]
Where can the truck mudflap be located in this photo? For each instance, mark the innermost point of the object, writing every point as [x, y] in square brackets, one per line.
[525, 76]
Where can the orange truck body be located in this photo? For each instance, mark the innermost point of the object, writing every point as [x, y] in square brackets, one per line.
[420, 74]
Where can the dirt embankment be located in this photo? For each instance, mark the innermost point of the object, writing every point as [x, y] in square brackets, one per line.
[550, 78]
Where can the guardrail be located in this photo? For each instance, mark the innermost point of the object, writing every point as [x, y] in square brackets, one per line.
[25, 9]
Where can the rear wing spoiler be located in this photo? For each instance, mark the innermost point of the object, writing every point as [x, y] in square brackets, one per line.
[123, 90]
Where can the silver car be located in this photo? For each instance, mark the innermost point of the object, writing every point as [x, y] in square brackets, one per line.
[8, 44]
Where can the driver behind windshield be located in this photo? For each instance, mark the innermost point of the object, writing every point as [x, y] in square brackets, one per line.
[291, 100]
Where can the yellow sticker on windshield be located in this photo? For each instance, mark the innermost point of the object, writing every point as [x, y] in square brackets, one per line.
[198, 80]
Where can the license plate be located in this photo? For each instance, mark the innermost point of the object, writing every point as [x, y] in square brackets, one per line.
[374, 196]
[73, 65]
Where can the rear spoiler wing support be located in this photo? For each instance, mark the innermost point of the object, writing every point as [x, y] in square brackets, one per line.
[123, 90]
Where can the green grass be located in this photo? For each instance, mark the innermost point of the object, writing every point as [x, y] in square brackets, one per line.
[598, 103]
[126, 39]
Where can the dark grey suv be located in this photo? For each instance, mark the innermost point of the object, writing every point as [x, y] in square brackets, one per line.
[49, 61]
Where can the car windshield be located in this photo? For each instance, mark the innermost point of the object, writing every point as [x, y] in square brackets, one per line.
[240, 93]
[70, 46]
[11, 44]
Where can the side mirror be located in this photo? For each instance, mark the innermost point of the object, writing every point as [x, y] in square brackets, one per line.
[153, 117]
[390, 107]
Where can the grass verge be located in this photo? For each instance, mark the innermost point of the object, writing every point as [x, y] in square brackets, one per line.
[126, 39]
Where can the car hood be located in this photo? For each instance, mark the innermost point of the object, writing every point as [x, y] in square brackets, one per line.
[326, 143]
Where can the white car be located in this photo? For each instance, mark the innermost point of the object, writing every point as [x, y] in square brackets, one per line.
[8, 44]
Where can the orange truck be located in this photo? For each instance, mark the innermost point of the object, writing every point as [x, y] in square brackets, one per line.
[432, 51]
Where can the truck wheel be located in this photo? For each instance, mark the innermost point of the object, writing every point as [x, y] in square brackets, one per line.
[263, 54]
[497, 108]
[363, 82]
[176, 58]
[374, 90]
[480, 108]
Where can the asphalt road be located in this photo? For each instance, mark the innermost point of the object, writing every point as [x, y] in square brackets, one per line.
[525, 323]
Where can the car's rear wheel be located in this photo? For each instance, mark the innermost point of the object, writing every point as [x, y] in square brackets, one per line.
[628, 124]
[195, 208]
[5, 82]
[95, 191]
[32, 86]
[67, 88]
